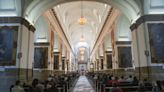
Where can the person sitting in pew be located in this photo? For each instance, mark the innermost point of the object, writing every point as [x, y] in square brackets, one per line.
[141, 87]
[135, 81]
[40, 87]
[115, 88]
[113, 80]
[155, 87]
[53, 88]
[146, 83]
[162, 86]
[17, 87]
[129, 79]
[122, 79]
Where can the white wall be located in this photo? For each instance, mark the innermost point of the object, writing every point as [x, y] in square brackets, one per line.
[123, 29]
[41, 33]
[10, 8]
[153, 7]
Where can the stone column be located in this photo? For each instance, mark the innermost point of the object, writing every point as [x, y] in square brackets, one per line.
[25, 50]
[145, 66]
[60, 57]
[22, 57]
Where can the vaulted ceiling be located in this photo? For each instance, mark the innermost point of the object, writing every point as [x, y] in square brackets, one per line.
[82, 36]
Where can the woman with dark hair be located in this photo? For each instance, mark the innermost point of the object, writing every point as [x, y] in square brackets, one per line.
[141, 87]
[34, 84]
[135, 81]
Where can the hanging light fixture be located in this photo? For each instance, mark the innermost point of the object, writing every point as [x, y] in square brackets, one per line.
[82, 20]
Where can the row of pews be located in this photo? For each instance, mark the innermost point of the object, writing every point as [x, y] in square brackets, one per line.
[65, 86]
[125, 86]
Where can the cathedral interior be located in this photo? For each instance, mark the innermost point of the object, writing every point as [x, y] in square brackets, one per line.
[84, 41]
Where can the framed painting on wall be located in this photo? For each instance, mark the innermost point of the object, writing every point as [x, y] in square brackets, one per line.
[156, 38]
[124, 57]
[41, 57]
[56, 61]
[109, 61]
[8, 45]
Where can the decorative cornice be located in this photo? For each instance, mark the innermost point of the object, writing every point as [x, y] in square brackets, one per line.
[145, 18]
[123, 42]
[56, 53]
[82, 62]
[42, 44]
[63, 57]
[101, 57]
[108, 52]
[19, 20]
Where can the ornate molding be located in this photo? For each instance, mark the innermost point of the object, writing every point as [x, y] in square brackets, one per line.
[108, 52]
[145, 18]
[20, 20]
[123, 42]
[42, 44]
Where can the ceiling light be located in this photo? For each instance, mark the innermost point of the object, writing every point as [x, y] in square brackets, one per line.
[82, 49]
[82, 20]
[82, 52]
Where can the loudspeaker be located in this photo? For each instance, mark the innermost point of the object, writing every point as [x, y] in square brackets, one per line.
[146, 52]
[19, 55]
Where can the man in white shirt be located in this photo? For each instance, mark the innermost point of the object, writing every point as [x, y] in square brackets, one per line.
[17, 87]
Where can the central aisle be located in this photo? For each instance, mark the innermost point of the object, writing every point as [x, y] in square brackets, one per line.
[83, 85]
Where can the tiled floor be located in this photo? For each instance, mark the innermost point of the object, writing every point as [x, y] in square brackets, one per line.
[83, 85]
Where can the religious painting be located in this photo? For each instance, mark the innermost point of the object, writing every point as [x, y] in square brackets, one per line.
[63, 64]
[124, 57]
[41, 57]
[102, 64]
[8, 45]
[56, 61]
[156, 37]
[109, 61]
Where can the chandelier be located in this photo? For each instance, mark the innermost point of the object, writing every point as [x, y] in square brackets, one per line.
[82, 20]
[82, 49]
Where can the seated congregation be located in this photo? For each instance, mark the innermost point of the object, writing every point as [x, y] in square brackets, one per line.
[61, 83]
[109, 83]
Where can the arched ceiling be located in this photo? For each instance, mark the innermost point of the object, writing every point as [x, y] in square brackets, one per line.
[68, 15]
[129, 7]
[69, 11]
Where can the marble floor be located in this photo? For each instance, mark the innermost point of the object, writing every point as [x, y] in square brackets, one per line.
[83, 85]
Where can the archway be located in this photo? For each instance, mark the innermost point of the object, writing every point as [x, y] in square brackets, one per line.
[36, 8]
[129, 8]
